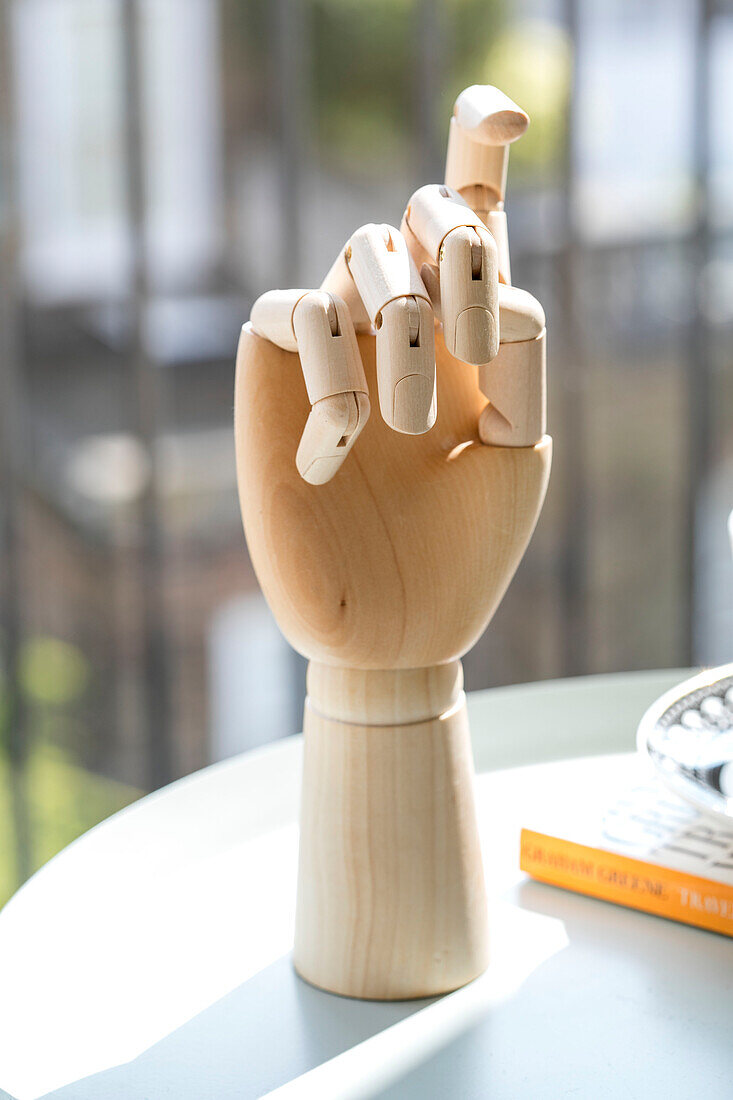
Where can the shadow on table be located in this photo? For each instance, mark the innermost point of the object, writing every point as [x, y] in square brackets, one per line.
[269, 1031]
[640, 1012]
[274, 1029]
[627, 1009]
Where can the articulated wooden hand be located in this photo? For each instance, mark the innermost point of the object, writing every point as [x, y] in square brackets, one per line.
[384, 544]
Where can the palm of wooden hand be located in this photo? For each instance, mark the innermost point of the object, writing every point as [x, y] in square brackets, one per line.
[401, 559]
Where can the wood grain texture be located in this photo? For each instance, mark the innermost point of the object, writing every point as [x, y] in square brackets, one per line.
[516, 385]
[386, 574]
[469, 294]
[521, 316]
[470, 163]
[272, 316]
[401, 560]
[405, 351]
[327, 346]
[382, 268]
[392, 298]
[497, 225]
[340, 281]
[317, 326]
[432, 213]
[384, 697]
[489, 116]
[391, 898]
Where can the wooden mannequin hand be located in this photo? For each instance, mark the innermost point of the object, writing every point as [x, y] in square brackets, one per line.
[401, 558]
[383, 545]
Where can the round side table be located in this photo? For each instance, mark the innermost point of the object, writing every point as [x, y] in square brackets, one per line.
[150, 959]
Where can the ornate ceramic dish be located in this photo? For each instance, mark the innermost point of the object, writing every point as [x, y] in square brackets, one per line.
[688, 733]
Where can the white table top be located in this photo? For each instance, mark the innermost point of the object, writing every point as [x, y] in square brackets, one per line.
[150, 959]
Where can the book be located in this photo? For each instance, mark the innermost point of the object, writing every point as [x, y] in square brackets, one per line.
[638, 845]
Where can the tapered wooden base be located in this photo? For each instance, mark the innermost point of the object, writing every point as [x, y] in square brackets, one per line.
[391, 899]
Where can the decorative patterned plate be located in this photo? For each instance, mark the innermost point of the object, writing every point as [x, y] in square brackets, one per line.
[688, 733]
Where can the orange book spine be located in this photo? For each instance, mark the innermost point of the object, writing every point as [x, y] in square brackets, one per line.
[630, 882]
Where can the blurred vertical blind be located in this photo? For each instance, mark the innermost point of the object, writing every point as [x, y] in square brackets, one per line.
[165, 161]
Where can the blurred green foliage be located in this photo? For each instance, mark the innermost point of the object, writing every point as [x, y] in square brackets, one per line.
[52, 671]
[61, 801]
[532, 62]
[57, 797]
[365, 66]
[362, 81]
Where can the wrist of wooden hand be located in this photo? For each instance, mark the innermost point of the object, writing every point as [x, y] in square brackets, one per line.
[383, 697]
